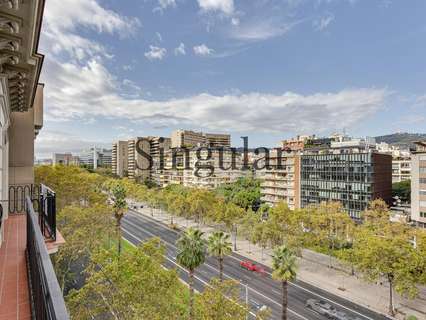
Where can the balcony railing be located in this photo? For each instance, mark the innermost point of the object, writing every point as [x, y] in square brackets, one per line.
[47, 212]
[47, 300]
[18, 195]
[43, 200]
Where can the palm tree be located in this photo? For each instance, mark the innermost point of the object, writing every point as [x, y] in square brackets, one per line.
[191, 254]
[284, 269]
[218, 245]
[120, 205]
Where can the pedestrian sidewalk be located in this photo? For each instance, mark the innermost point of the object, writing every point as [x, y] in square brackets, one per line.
[314, 270]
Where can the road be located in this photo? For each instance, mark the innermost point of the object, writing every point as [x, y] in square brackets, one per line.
[262, 289]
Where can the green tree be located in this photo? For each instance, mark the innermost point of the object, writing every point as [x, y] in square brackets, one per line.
[221, 301]
[284, 269]
[191, 254]
[201, 203]
[120, 206]
[218, 245]
[245, 192]
[402, 190]
[132, 286]
[389, 253]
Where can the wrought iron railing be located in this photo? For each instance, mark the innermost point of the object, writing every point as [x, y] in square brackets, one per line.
[18, 195]
[47, 212]
[43, 200]
[46, 295]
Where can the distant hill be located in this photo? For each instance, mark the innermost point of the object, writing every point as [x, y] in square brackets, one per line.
[401, 139]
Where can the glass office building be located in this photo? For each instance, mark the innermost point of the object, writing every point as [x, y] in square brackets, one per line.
[354, 179]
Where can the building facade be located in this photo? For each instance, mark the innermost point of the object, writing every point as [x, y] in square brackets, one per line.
[64, 159]
[217, 140]
[354, 179]
[139, 166]
[95, 157]
[208, 167]
[119, 158]
[401, 169]
[187, 139]
[159, 146]
[281, 181]
[191, 139]
[418, 185]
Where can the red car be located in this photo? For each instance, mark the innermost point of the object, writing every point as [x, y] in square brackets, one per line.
[250, 266]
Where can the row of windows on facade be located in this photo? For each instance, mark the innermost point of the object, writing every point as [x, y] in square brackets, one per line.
[336, 195]
[357, 187]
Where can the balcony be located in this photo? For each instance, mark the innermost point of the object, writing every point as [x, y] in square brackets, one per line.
[28, 286]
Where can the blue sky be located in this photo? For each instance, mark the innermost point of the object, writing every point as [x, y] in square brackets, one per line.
[268, 69]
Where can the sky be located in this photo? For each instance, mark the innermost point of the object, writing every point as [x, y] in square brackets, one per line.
[266, 69]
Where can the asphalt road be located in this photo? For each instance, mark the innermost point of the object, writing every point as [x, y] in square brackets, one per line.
[262, 289]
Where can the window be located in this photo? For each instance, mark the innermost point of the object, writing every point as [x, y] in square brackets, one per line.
[422, 180]
[422, 214]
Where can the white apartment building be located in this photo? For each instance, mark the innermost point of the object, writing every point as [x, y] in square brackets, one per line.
[401, 169]
[159, 146]
[211, 173]
[139, 166]
[281, 180]
[119, 161]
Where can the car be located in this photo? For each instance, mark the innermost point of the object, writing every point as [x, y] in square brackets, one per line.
[321, 307]
[250, 266]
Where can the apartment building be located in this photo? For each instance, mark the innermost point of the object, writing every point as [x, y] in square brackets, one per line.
[187, 139]
[216, 140]
[191, 139]
[354, 179]
[29, 288]
[138, 163]
[297, 143]
[159, 146]
[209, 167]
[281, 181]
[119, 158]
[401, 169]
[174, 166]
[418, 184]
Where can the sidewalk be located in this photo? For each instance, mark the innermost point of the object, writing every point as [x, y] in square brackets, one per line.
[314, 270]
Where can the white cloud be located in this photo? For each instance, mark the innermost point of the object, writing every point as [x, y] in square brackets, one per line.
[127, 67]
[51, 141]
[225, 6]
[61, 19]
[180, 50]
[159, 36]
[202, 50]
[323, 22]
[91, 92]
[235, 21]
[164, 4]
[261, 29]
[155, 53]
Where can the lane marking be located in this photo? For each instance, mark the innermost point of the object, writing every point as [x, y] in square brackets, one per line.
[291, 283]
[216, 270]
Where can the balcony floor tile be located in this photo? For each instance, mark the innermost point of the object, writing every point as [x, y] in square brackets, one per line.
[14, 291]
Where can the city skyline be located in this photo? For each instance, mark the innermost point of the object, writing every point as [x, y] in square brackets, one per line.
[269, 70]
